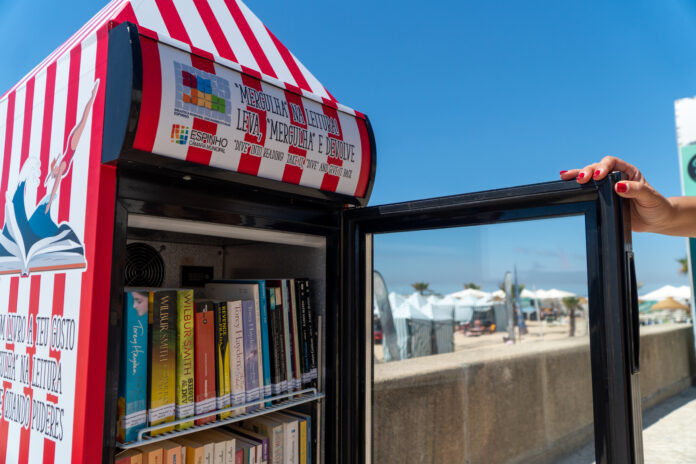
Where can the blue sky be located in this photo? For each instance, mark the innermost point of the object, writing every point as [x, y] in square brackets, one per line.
[467, 96]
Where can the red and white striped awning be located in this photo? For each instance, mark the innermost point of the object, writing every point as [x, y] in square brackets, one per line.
[223, 28]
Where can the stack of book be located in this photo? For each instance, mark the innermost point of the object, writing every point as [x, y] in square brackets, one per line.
[247, 341]
[274, 438]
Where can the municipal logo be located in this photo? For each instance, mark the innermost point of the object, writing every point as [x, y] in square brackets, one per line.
[180, 134]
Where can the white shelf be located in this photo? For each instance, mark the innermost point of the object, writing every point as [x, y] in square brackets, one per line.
[291, 399]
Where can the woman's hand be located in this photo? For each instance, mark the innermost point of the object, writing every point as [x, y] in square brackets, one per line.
[650, 211]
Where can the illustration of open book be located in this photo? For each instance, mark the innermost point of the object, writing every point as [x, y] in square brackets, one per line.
[36, 244]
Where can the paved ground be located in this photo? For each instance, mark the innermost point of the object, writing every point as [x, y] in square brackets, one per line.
[669, 433]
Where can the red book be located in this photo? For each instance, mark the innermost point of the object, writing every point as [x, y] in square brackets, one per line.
[204, 366]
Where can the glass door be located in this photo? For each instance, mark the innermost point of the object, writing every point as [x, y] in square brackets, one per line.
[490, 327]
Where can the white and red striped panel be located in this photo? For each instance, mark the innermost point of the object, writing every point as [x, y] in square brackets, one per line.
[36, 118]
[252, 140]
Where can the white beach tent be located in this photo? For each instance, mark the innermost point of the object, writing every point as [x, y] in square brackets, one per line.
[413, 330]
[467, 292]
[682, 293]
[441, 313]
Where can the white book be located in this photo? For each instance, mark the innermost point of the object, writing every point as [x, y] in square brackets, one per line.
[295, 336]
[236, 346]
[289, 364]
[291, 449]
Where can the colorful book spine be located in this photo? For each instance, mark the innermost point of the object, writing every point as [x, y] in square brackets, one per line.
[132, 396]
[222, 359]
[185, 399]
[162, 365]
[263, 310]
[251, 362]
[257, 437]
[303, 332]
[236, 335]
[304, 426]
[204, 365]
[311, 330]
[259, 349]
[295, 335]
[277, 344]
[289, 366]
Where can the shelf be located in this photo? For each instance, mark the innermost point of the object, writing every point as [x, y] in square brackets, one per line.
[293, 399]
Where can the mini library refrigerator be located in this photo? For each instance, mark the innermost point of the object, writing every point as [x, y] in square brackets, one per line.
[177, 155]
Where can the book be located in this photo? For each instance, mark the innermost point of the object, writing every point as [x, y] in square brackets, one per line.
[249, 450]
[305, 434]
[251, 365]
[295, 335]
[230, 457]
[222, 358]
[162, 365]
[222, 443]
[277, 340]
[287, 334]
[171, 452]
[274, 431]
[195, 450]
[185, 399]
[152, 454]
[204, 364]
[129, 456]
[303, 332]
[308, 321]
[249, 290]
[290, 448]
[132, 387]
[236, 348]
[250, 434]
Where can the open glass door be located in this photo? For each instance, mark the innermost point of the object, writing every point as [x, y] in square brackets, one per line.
[504, 376]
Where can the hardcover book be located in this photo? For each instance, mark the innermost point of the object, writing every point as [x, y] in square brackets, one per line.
[236, 344]
[294, 335]
[162, 365]
[222, 358]
[291, 448]
[132, 396]
[289, 366]
[185, 400]
[303, 332]
[311, 331]
[274, 431]
[204, 365]
[251, 361]
[277, 343]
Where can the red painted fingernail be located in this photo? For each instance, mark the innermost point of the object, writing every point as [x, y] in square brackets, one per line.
[622, 187]
[597, 172]
[563, 172]
[581, 175]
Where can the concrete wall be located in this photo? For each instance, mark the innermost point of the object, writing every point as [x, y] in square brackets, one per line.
[530, 403]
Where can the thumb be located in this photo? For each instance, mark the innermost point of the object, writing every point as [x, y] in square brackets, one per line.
[642, 192]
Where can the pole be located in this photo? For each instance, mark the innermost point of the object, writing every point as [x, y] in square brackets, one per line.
[509, 307]
[537, 303]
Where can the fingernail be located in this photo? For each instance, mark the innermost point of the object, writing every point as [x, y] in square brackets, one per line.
[597, 172]
[581, 175]
[622, 187]
[563, 172]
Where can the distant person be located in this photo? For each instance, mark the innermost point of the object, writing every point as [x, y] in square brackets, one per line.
[650, 211]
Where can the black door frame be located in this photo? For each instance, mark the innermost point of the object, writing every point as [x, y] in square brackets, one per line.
[614, 329]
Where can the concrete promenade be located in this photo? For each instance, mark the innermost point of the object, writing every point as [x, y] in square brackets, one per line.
[669, 433]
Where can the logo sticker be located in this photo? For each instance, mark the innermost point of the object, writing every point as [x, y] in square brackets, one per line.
[180, 134]
[201, 94]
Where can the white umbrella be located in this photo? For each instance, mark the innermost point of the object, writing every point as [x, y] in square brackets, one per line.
[417, 300]
[553, 294]
[469, 292]
[498, 294]
[667, 291]
[525, 293]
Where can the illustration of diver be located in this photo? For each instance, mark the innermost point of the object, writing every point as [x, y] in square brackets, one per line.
[37, 243]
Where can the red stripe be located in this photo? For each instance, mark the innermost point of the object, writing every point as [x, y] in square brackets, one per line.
[365, 159]
[148, 32]
[293, 174]
[250, 38]
[248, 163]
[46, 128]
[172, 20]
[25, 434]
[214, 30]
[290, 63]
[201, 155]
[93, 325]
[70, 121]
[330, 181]
[9, 128]
[4, 425]
[26, 128]
[202, 63]
[127, 15]
[152, 96]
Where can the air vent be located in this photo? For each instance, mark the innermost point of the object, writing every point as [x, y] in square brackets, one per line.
[144, 266]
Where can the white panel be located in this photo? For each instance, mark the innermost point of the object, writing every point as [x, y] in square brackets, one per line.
[685, 110]
[349, 127]
[35, 137]
[269, 48]
[195, 28]
[149, 16]
[234, 37]
[60, 103]
[17, 131]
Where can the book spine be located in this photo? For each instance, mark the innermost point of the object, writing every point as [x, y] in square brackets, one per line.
[222, 359]
[163, 360]
[312, 334]
[279, 445]
[132, 401]
[295, 336]
[251, 362]
[185, 401]
[259, 345]
[303, 441]
[204, 365]
[288, 341]
[304, 330]
[236, 334]
[239, 456]
[279, 341]
[273, 354]
[265, 335]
